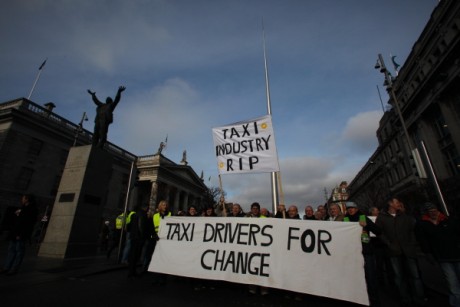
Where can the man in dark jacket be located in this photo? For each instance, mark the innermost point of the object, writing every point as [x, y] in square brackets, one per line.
[23, 222]
[398, 235]
[439, 237]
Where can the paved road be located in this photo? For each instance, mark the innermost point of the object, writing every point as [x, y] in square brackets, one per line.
[99, 282]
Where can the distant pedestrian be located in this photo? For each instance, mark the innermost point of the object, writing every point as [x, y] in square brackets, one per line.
[105, 232]
[23, 222]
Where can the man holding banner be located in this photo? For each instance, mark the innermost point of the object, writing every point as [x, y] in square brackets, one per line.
[295, 255]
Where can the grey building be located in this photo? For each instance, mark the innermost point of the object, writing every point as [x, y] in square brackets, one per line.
[34, 145]
[427, 92]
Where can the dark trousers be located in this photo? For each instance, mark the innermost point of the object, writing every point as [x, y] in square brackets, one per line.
[370, 272]
[134, 255]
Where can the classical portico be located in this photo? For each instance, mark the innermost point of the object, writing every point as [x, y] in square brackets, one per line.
[162, 179]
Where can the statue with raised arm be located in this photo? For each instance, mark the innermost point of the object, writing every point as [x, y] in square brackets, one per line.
[104, 116]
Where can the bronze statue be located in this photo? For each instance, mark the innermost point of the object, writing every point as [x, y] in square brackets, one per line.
[104, 116]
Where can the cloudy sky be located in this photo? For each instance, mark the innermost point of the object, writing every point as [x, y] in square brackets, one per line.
[191, 65]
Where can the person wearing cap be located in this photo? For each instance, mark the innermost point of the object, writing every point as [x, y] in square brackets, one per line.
[355, 215]
[439, 237]
[398, 236]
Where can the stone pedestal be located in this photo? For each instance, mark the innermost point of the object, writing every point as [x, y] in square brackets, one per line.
[75, 222]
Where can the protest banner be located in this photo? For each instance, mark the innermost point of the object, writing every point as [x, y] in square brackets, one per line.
[313, 257]
[246, 146]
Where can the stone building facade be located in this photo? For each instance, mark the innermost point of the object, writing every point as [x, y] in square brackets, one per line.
[427, 91]
[162, 179]
[339, 195]
[34, 145]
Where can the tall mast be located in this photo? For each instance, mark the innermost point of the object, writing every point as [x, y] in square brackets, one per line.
[274, 181]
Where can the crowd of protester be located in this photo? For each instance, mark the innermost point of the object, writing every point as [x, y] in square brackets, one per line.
[392, 240]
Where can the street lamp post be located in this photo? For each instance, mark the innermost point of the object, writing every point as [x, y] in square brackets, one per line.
[413, 149]
[389, 86]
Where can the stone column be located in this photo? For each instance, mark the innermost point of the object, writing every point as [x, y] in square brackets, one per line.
[177, 203]
[153, 195]
[167, 190]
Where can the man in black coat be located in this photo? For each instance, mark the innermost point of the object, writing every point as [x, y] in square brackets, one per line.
[398, 235]
[23, 222]
[439, 237]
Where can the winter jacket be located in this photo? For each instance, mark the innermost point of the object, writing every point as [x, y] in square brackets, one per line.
[398, 234]
[442, 240]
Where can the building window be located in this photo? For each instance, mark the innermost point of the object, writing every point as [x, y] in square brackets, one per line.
[402, 169]
[397, 147]
[452, 158]
[35, 147]
[24, 178]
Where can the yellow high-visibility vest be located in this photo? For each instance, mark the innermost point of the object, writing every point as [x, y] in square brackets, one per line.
[119, 221]
[128, 219]
[157, 219]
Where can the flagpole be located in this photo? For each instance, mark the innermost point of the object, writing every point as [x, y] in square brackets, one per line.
[36, 79]
[274, 183]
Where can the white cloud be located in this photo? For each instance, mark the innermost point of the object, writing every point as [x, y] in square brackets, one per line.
[359, 133]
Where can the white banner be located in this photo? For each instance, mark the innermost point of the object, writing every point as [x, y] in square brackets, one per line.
[247, 146]
[314, 257]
